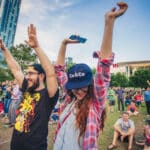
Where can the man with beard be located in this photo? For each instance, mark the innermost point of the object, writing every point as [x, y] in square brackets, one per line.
[31, 126]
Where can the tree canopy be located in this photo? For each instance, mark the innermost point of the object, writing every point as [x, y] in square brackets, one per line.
[23, 54]
[119, 80]
[140, 77]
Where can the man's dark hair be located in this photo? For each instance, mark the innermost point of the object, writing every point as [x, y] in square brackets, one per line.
[125, 112]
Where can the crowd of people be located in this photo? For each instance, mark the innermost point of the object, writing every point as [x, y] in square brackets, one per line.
[130, 99]
[32, 99]
[10, 96]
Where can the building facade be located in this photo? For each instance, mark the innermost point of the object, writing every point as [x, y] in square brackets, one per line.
[128, 68]
[9, 12]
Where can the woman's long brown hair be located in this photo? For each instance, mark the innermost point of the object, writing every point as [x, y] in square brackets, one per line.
[82, 112]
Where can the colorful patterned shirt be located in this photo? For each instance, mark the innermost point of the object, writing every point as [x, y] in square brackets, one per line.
[101, 82]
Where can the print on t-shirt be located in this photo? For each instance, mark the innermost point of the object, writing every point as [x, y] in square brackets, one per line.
[26, 111]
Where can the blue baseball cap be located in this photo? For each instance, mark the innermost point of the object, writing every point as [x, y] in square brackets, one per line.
[79, 76]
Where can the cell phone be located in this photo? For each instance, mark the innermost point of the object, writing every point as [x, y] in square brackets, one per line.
[95, 55]
[79, 38]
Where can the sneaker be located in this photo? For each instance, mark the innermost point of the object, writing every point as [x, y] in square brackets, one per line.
[140, 143]
[11, 125]
[8, 125]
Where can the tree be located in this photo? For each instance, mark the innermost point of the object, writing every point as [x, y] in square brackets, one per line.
[119, 80]
[5, 74]
[68, 65]
[2, 63]
[93, 71]
[24, 56]
[139, 79]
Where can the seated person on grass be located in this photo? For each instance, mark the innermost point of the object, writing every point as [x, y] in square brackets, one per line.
[138, 98]
[146, 141]
[127, 99]
[132, 109]
[124, 129]
[147, 135]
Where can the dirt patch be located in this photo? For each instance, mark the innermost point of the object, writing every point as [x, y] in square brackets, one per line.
[5, 135]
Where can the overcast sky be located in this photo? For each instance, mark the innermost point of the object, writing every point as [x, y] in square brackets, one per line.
[58, 19]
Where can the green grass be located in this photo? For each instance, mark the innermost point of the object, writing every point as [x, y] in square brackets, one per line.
[104, 139]
[106, 136]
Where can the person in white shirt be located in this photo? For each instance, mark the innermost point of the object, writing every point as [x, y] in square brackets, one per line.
[123, 128]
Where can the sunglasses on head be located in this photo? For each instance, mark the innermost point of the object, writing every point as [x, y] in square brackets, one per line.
[30, 73]
[84, 90]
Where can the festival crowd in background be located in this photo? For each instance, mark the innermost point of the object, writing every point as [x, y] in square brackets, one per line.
[74, 100]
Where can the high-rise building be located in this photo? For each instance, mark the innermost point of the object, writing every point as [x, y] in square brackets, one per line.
[9, 12]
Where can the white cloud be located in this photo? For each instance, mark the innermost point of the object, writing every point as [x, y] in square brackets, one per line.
[57, 4]
[29, 6]
[26, 7]
[57, 19]
[51, 27]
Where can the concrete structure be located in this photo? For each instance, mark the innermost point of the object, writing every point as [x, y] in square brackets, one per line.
[128, 68]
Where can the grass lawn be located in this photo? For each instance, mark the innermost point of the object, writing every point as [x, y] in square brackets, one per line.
[105, 136]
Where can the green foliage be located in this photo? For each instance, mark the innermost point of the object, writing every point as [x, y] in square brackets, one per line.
[69, 65]
[139, 78]
[119, 80]
[5, 74]
[2, 62]
[24, 55]
[93, 71]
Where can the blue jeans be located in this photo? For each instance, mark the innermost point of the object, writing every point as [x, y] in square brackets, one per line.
[12, 110]
[7, 103]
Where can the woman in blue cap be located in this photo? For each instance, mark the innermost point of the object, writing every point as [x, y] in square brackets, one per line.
[84, 104]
